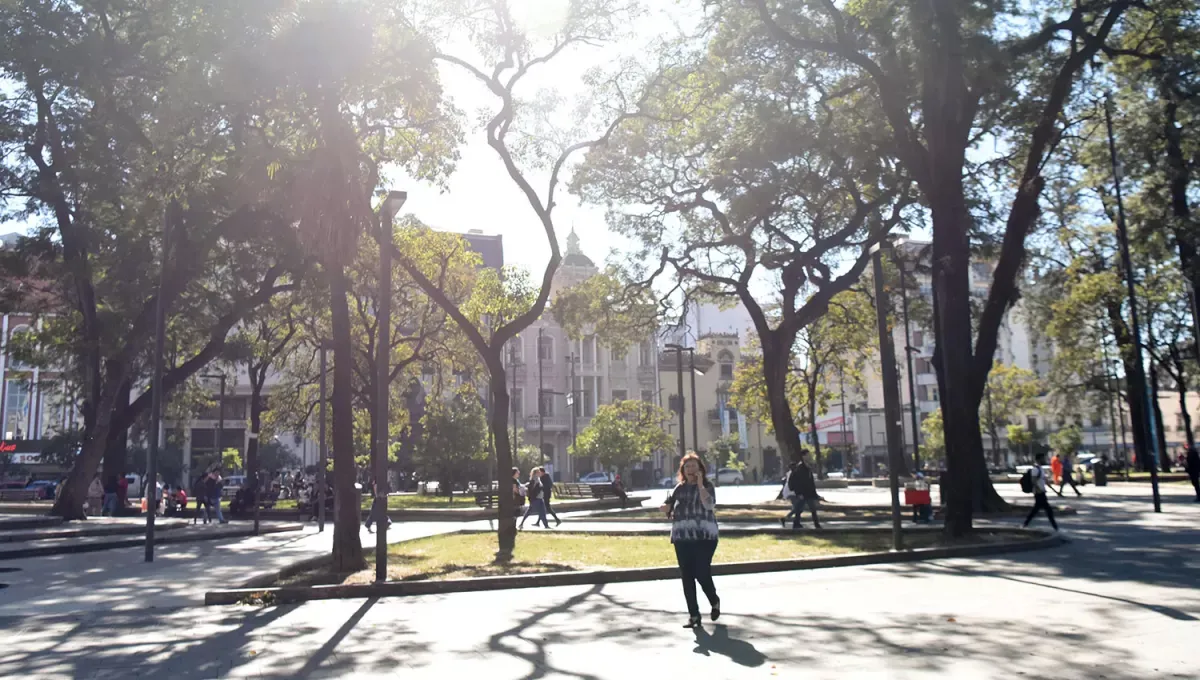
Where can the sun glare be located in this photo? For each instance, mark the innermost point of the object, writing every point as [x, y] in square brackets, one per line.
[541, 18]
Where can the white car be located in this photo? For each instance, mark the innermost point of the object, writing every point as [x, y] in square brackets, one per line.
[727, 476]
[596, 478]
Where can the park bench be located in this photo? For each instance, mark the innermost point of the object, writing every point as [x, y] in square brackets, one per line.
[18, 494]
[486, 499]
[573, 490]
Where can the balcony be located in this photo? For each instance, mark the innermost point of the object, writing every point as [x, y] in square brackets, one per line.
[550, 423]
[646, 374]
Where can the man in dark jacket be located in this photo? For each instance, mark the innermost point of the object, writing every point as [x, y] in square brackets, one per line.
[801, 483]
[1193, 469]
[547, 491]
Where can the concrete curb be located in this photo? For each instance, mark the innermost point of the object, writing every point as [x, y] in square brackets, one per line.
[175, 536]
[287, 595]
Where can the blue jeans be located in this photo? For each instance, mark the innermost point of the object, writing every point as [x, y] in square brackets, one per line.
[539, 506]
[215, 503]
[110, 504]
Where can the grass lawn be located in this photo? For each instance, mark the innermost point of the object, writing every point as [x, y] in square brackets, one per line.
[405, 502]
[749, 515]
[469, 555]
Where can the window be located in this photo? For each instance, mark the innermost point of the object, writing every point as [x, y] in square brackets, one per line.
[927, 392]
[981, 270]
[16, 409]
[674, 403]
[648, 396]
[619, 395]
[645, 355]
[617, 355]
[922, 366]
[725, 358]
[545, 348]
[587, 350]
[1031, 423]
[918, 339]
[517, 403]
[14, 336]
[1097, 420]
[547, 451]
[591, 390]
[516, 351]
[53, 409]
[546, 408]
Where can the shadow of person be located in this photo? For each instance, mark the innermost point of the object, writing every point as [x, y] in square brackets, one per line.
[719, 642]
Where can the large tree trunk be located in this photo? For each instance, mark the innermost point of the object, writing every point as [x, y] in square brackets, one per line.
[116, 450]
[775, 371]
[1181, 386]
[347, 547]
[69, 504]
[1179, 180]
[1135, 386]
[506, 521]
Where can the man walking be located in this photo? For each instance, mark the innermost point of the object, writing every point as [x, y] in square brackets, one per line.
[212, 491]
[801, 483]
[1037, 479]
[1068, 475]
[1192, 464]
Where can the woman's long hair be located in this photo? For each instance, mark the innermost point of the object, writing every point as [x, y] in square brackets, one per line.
[691, 455]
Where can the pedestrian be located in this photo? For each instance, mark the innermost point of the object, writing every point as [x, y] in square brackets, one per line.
[378, 511]
[691, 507]
[212, 491]
[619, 489]
[95, 495]
[110, 496]
[1037, 486]
[1192, 464]
[200, 493]
[518, 492]
[547, 491]
[536, 502]
[1068, 475]
[787, 494]
[122, 491]
[1056, 469]
[802, 484]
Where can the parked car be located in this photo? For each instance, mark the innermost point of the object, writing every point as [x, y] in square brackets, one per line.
[727, 476]
[597, 478]
[44, 487]
[668, 482]
[135, 486]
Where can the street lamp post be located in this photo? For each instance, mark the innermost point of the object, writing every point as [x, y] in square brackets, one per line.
[391, 207]
[571, 392]
[891, 396]
[908, 354]
[541, 408]
[324, 448]
[678, 349]
[156, 385]
[695, 425]
[1150, 437]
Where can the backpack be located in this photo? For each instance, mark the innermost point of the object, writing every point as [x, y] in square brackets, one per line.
[1027, 481]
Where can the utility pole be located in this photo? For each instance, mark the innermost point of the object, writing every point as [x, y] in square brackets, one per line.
[150, 484]
[1151, 434]
[513, 365]
[541, 409]
[679, 397]
[891, 396]
[571, 401]
[383, 354]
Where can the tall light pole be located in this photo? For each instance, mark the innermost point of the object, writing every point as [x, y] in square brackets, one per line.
[391, 207]
[324, 448]
[170, 216]
[678, 349]
[513, 364]
[908, 354]
[891, 396]
[220, 377]
[1151, 438]
[571, 398]
[541, 409]
[695, 426]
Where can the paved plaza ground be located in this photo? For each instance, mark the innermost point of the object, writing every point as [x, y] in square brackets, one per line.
[1122, 600]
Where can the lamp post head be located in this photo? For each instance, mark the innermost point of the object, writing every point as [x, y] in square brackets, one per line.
[393, 202]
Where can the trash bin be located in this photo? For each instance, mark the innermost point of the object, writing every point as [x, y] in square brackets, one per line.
[916, 494]
[1100, 473]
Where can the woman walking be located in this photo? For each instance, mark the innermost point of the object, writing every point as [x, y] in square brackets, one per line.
[536, 502]
[694, 534]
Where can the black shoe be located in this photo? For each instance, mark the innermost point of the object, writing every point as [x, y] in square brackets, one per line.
[783, 522]
[693, 622]
[557, 522]
[716, 611]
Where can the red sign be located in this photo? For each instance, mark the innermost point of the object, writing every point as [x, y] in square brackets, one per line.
[7, 447]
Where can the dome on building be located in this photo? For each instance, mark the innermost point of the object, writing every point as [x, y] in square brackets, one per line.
[575, 256]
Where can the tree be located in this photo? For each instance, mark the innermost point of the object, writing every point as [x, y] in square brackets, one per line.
[513, 50]
[944, 75]
[111, 130]
[274, 457]
[933, 435]
[1066, 441]
[624, 433]
[1011, 392]
[726, 452]
[454, 436]
[1019, 439]
[352, 89]
[736, 186]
